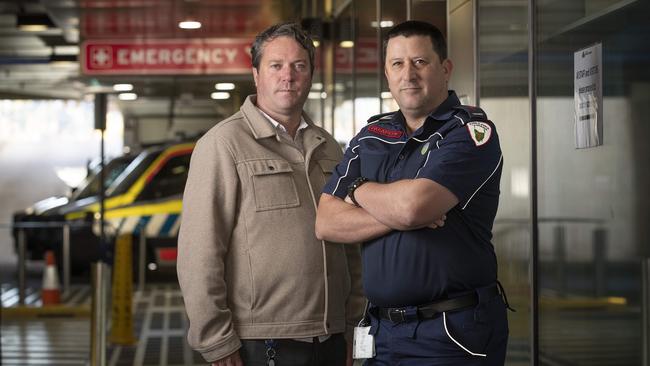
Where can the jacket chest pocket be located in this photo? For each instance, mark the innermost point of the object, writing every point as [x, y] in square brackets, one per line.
[327, 167]
[273, 185]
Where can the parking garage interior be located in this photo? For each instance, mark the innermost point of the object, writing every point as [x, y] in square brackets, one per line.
[571, 234]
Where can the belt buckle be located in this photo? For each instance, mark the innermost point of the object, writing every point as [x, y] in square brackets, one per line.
[397, 315]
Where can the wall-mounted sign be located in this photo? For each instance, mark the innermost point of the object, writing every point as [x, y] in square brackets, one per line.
[166, 56]
[588, 96]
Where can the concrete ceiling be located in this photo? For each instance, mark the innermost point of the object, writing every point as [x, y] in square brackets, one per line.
[27, 70]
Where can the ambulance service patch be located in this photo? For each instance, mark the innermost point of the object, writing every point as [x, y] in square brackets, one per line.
[480, 132]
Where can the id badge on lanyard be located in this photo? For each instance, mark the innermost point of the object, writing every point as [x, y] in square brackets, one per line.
[364, 342]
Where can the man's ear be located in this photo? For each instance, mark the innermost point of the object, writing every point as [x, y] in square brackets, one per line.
[447, 67]
[255, 76]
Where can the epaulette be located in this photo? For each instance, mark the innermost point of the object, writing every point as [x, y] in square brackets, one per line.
[470, 113]
[377, 117]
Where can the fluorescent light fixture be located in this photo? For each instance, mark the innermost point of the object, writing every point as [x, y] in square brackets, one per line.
[317, 86]
[220, 95]
[123, 87]
[386, 95]
[189, 24]
[224, 86]
[346, 44]
[33, 28]
[383, 24]
[316, 43]
[34, 22]
[127, 96]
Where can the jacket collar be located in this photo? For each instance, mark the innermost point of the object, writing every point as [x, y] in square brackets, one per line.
[261, 127]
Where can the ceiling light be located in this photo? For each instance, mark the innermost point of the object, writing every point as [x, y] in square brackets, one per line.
[189, 24]
[386, 95]
[33, 28]
[383, 24]
[224, 86]
[316, 43]
[127, 96]
[346, 44]
[123, 87]
[34, 22]
[220, 95]
[317, 86]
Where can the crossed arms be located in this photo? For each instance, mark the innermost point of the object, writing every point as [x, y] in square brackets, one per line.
[407, 204]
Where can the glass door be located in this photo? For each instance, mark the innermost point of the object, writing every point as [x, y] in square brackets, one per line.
[593, 201]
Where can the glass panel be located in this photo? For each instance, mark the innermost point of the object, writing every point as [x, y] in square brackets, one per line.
[368, 65]
[169, 181]
[343, 86]
[392, 13]
[434, 12]
[593, 202]
[503, 55]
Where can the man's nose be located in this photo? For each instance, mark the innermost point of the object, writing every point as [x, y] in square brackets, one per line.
[409, 71]
[287, 72]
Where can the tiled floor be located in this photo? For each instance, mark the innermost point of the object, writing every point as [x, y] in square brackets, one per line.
[159, 326]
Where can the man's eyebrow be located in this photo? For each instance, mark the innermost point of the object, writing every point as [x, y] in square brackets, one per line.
[293, 61]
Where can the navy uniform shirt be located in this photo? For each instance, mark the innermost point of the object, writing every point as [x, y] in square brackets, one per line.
[457, 147]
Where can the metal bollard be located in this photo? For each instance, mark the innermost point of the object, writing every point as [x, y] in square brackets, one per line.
[98, 322]
[66, 258]
[142, 258]
[21, 266]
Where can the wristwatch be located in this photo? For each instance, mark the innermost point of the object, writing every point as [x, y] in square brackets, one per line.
[353, 187]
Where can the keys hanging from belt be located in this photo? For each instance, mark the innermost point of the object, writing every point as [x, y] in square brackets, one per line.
[270, 352]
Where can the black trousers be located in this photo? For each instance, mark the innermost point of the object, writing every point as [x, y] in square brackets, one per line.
[331, 352]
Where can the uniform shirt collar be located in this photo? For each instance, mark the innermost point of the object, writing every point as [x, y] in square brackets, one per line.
[446, 109]
[441, 114]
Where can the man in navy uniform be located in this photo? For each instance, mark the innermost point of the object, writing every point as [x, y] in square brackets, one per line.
[433, 290]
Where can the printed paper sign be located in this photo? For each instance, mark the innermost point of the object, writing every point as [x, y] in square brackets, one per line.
[588, 96]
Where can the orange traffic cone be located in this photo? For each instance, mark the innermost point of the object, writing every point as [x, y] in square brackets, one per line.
[51, 293]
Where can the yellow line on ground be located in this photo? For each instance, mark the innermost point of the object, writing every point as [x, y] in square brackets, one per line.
[54, 311]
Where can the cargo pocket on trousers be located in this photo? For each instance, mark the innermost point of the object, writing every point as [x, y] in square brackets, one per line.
[273, 185]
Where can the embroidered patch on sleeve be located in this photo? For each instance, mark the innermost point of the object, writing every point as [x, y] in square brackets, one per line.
[480, 132]
[394, 134]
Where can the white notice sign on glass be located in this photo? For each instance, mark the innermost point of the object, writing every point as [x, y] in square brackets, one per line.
[588, 96]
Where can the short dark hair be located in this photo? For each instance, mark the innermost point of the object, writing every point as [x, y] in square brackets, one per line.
[288, 29]
[419, 28]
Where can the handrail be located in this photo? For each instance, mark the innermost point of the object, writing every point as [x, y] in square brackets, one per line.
[43, 225]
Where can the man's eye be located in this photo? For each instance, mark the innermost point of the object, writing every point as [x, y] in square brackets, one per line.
[276, 66]
[301, 66]
[397, 63]
[420, 62]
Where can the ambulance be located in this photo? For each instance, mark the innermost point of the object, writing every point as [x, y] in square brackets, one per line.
[143, 198]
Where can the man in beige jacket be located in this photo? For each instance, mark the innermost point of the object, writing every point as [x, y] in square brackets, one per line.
[259, 287]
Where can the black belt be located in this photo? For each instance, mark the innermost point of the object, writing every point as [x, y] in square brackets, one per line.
[430, 310]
